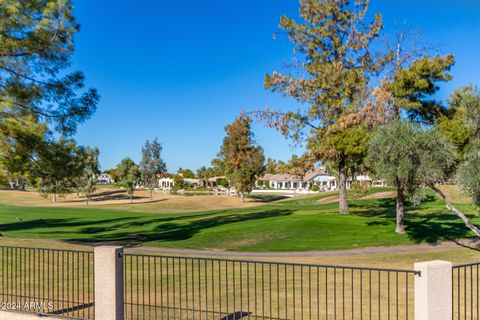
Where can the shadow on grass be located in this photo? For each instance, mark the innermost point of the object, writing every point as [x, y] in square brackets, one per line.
[177, 230]
[433, 227]
[134, 230]
[267, 198]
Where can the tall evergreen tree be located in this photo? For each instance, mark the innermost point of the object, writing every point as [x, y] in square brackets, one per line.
[461, 124]
[334, 41]
[37, 94]
[242, 159]
[152, 165]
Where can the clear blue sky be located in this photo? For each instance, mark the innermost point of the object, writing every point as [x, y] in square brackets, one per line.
[181, 70]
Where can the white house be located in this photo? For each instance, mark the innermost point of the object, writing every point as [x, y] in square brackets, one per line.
[169, 183]
[105, 178]
[317, 176]
[166, 183]
[372, 182]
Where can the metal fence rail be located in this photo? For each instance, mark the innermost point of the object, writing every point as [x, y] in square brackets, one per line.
[465, 291]
[47, 281]
[166, 287]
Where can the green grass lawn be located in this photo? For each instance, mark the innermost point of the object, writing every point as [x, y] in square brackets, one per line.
[290, 225]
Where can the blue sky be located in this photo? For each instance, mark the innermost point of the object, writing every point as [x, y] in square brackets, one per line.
[182, 70]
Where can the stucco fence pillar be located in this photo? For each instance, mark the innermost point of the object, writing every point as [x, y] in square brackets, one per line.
[109, 283]
[433, 290]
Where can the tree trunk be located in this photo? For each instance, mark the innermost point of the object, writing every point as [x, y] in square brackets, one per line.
[242, 197]
[342, 186]
[151, 193]
[54, 198]
[400, 228]
[457, 212]
[131, 197]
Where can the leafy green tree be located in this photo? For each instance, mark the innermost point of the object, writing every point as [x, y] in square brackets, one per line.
[271, 166]
[186, 173]
[113, 173]
[334, 41]
[218, 166]
[462, 122]
[86, 182]
[470, 175]
[152, 165]
[242, 158]
[222, 182]
[204, 173]
[37, 94]
[409, 156]
[58, 167]
[461, 127]
[129, 176]
[178, 182]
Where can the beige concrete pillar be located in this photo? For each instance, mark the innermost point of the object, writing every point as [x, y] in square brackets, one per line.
[109, 283]
[433, 290]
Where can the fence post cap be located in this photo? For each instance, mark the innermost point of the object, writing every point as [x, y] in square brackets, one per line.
[432, 264]
[108, 247]
[102, 250]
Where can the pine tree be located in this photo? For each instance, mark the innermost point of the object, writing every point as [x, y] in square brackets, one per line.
[37, 94]
[242, 159]
[334, 42]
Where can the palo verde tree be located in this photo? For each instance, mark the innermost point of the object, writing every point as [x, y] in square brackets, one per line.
[152, 165]
[243, 160]
[129, 176]
[334, 42]
[409, 157]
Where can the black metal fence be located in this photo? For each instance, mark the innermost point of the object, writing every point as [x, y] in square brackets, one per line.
[47, 281]
[465, 291]
[166, 287]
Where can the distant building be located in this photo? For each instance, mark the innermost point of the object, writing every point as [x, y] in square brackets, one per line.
[370, 181]
[167, 183]
[212, 182]
[317, 177]
[105, 178]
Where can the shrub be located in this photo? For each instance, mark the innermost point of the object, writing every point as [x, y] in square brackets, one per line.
[359, 189]
[222, 182]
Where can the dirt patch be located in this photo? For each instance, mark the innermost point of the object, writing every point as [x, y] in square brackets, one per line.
[380, 195]
[329, 199]
[114, 198]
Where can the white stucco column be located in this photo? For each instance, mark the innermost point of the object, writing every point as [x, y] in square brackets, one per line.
[433, 290]
[108, 283]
